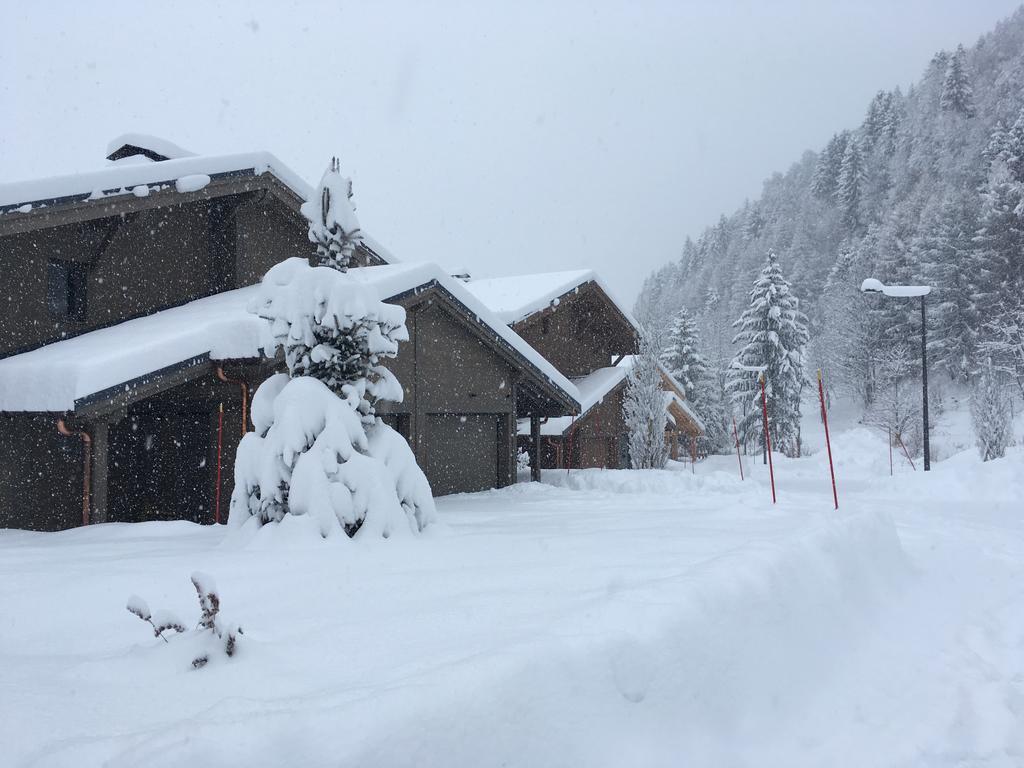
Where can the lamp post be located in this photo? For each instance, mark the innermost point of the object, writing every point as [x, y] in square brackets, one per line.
[871, 285]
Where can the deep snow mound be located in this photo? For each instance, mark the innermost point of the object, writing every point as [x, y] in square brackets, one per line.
[699, 668]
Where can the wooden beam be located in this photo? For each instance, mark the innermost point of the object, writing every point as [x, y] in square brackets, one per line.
[535, 448]
[100, 431]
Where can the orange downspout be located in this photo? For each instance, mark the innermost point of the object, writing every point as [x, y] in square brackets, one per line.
[62, 427]
[245, 396]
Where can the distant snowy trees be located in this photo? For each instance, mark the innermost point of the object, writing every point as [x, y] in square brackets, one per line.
[928, 189]
[772, 337]
[644, 409]
[319, 453]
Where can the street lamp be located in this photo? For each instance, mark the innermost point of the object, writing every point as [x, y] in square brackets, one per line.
[871, 285]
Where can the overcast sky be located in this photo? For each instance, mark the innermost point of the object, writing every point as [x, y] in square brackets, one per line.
[504, 138]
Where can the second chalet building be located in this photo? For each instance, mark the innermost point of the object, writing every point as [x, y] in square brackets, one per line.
[128, 357]
[573, 319]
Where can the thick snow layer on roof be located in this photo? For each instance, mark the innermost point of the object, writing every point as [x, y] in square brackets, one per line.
[593, 388]
[121, 179]
[517, 297]
[153, 143]
[391, 280]
[53, 377]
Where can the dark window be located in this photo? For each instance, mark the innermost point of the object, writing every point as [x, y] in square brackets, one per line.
[65, 290]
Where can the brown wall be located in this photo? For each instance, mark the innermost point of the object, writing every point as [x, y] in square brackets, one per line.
[578, 336]
[148, 260]
[459, 398]
[40, 474]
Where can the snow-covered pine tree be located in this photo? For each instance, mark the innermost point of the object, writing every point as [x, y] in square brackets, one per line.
[773, 335]
[945, 255]
[999, 242]
[850, 185]
[319, 453]
[644, 408]
[957, 95]
[826, 171]
[991, 414]
[681, 357]
[684, 361]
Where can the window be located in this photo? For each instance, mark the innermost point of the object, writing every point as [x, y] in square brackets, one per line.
[65, 290]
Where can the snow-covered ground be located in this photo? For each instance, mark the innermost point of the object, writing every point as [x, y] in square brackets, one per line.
[601, 619]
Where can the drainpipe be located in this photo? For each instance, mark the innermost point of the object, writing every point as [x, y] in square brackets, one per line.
[62, 427]
[245, 396]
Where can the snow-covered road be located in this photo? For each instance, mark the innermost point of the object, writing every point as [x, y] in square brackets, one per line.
[615, 618]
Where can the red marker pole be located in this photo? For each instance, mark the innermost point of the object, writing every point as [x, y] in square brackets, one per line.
[767, 437]
[828, 442]
[736, 437]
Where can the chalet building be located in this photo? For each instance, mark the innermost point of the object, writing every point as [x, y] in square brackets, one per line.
[572, 319]
[127, 356]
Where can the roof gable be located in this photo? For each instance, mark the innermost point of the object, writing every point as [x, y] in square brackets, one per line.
[519, 297]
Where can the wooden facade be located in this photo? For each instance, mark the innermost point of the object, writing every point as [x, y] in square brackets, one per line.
[162, 446]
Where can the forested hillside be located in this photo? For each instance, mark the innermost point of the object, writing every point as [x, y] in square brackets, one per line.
[929, 188]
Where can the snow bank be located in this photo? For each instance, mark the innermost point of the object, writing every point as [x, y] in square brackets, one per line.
[695, 671]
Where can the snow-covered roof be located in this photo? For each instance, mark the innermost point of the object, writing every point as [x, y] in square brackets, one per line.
[141, 178]
[517, 297]
[52, 378]
[392, 280]
[144, 141]
[593, 388]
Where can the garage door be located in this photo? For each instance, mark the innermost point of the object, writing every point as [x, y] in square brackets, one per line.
[462, 452]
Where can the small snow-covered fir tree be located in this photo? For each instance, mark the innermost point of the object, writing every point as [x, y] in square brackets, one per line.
[991, 414]
[684, 361]
[319, 453]
[773, 335]
[644, 409]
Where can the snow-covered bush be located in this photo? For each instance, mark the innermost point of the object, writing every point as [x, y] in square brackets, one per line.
[644, 409]
[897, 404]
[991, 414]
[210, 634]
[319, 453]
[522, 460]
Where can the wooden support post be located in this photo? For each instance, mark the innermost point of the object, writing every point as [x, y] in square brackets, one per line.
[535, 448]
[100, 430]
